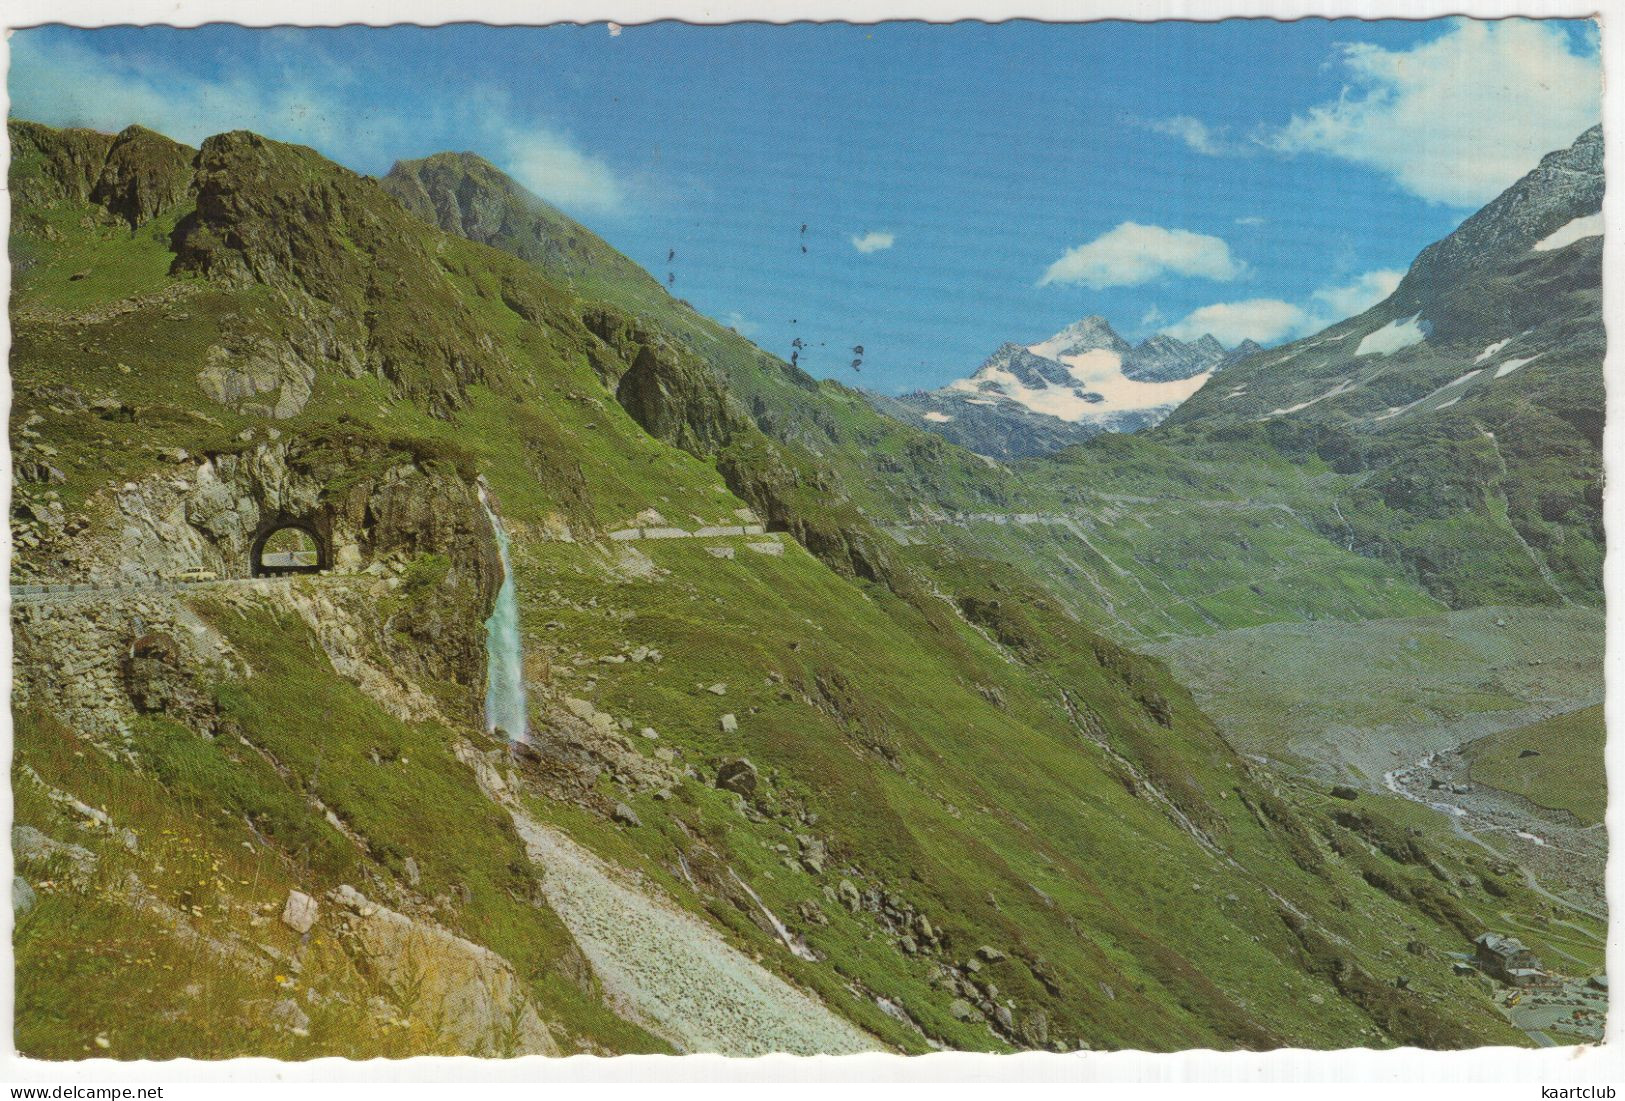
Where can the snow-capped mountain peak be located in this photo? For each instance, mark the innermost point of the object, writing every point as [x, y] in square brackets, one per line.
[1086, 379]
[1091, 334]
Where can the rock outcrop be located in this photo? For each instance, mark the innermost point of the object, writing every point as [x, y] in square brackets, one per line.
[465, 194]
[73, 653]
[135, 176]
[467, 992]
[668, 390]
[70, 160]
[327, 240]
[373, 506]
[146, 174]
[1567, 184]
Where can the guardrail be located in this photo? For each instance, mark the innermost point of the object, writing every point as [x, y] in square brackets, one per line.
[627, 535]
[52, 589]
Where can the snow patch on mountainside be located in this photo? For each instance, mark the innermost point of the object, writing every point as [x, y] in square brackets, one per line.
[1033, 399]
[1062, 402]
[1492, 349]
[1081, 375]
[1342, 387]
[1578, 229]
[1392, 337]
[1512, 365]
[1101, 371]
[1451, 385]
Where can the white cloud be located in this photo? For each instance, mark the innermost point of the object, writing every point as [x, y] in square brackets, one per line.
[1268, 320]
[1265, 320]
[549, 166]
[874, 241]
[62, 83]
[1359, 295]
[1153, 316]
[1132, 254]
[1207, 140]
[1458, 119]
[737, 322]
[313, 101]
[1252, 220]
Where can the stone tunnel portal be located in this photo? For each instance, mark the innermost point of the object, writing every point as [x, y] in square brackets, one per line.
[290, 545]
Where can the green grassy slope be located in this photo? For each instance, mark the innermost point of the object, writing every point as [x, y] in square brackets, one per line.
[1147, 541]
[226, 829]
[1003, 824]
[1553, 763]
[888, 468]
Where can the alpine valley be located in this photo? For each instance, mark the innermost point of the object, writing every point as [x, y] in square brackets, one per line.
[432, 637]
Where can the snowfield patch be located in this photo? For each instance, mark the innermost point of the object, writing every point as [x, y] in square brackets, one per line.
[1577, 230]
[1451, 385]
[1102, 372]
[1341, 388]
[1097, 373]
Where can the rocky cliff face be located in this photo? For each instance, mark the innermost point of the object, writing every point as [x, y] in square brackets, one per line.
[76, 654]
[1093, 333]
[382, 513]
[810, 506]
[467, 195]
[321, 241]
[1567, 184]
[1244, 350]
[666, 389]
[1162, 358]
[473, 995]
[134, 177]
[67, 163]
[146, 175]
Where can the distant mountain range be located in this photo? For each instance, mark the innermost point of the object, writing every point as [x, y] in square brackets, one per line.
[1084, 380]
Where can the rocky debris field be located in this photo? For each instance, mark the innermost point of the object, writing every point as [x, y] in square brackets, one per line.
[1566, 858]
[666, 967]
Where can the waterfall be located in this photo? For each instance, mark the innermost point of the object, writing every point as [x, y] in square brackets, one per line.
[504, 654]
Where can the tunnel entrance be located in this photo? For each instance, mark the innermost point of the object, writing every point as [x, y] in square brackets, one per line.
[288, 545]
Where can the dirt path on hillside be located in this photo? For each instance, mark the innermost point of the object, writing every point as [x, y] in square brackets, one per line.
[662, 966]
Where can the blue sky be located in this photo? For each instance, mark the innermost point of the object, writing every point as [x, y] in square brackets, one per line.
[961, 185]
